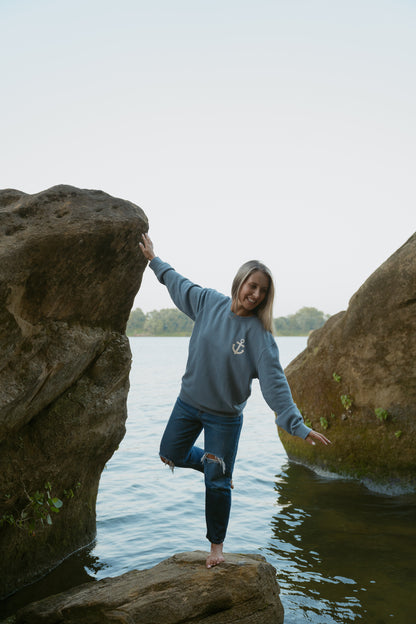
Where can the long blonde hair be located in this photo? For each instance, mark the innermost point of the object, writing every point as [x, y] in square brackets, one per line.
[265, 310]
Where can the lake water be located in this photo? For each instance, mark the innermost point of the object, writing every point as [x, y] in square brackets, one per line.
[342, 553]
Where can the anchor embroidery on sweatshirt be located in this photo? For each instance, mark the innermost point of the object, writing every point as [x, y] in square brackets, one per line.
[239, 349]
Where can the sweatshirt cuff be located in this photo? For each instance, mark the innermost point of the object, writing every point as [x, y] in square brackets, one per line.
[300, 429]
[154, 263]
[159, 267]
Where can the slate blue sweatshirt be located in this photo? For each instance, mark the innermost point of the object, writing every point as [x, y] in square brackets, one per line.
[226, 352]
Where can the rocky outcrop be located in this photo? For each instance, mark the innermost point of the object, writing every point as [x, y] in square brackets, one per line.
[356, 381]
[179, 590]
[70, 267]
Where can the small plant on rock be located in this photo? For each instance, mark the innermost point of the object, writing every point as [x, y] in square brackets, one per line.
[346, 401]
[70, 492]
[381, 414]
[40, 507]
[324, 422]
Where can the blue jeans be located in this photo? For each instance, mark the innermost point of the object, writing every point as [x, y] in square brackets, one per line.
[216, 460]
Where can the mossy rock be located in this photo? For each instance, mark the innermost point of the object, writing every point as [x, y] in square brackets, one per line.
[356, 382]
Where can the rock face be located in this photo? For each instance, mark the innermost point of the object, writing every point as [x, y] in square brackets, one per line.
[179, 590]
[356, 381]
[70, 267]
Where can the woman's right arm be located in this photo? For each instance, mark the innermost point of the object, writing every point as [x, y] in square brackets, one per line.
[186, 295]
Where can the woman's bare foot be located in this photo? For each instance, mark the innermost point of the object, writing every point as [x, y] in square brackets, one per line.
[216, 555]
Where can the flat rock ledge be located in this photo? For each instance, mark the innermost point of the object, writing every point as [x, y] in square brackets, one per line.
[179, 590]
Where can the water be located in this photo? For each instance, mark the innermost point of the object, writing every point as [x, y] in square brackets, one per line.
[342, 553]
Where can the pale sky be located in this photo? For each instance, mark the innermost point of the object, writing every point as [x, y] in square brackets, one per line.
[282, 130]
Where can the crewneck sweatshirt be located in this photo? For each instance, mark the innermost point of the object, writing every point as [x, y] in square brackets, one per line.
[226, 352]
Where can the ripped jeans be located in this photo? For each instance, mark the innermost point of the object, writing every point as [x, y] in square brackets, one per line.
[216, 460]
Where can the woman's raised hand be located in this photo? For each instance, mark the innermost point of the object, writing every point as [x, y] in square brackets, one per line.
[147, 247]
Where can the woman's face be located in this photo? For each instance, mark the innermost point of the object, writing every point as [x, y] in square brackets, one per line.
[252, 293]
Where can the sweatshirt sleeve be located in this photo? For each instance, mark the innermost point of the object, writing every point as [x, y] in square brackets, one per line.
[186, 295]
[277, 394]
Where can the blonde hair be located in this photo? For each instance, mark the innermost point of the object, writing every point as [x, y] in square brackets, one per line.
[265, 310]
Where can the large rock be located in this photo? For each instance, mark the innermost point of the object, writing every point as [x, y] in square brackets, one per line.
[70, 267]
[356, 381]
[179, 590]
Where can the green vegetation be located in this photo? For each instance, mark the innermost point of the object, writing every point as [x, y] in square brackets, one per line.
[336, 377]
[300, 324]
[381, 414]
[37, 512]
[324, 422]
[168, 322]
[70, 493]
[346, 401]
[172, 322]
[136, 323]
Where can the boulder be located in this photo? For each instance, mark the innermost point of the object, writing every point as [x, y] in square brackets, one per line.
[356, 382]
[178, 590]
[70, 267]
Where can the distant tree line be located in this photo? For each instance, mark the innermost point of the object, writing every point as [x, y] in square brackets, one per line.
[167, 322]
[172, 322]
[301, 323]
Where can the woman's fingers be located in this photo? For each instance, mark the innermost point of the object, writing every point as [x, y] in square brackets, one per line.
[314, 437]
[147, 247]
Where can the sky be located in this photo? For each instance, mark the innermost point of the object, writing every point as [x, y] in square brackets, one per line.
[281, 130]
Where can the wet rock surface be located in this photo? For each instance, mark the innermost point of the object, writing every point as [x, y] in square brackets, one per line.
[178, 590]
[356, 382]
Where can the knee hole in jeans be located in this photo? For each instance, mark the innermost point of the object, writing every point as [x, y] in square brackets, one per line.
[168, 462]
[213, 458]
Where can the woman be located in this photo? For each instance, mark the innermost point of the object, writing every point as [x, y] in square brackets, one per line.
[231, 344]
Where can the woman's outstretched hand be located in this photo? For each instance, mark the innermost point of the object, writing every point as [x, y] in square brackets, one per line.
[314, 436]
[147, 247]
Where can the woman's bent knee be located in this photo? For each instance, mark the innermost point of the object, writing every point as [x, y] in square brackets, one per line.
[168, 462]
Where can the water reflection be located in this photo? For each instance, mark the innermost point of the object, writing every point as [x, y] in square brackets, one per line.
[77, 569]
[344, 553]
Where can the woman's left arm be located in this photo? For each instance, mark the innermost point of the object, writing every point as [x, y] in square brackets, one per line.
[277, 394]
